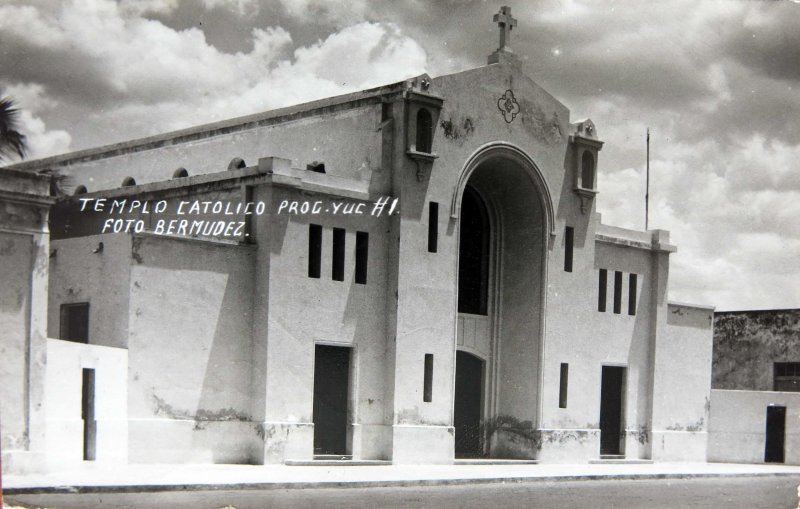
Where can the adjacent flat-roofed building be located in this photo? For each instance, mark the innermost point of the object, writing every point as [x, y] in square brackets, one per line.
[413, 273]
[756, 387]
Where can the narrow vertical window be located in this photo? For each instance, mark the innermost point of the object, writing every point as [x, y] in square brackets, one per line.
[587, 171]
[569, 239]
[562, 386]
[601, 295]
[427, 392]
[632, 280]
[337, 267]
[617, 292]
[424, 130]
[362, 252]
[433, 226]
[314, 250]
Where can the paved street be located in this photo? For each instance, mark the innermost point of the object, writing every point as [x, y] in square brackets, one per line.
[728, 493]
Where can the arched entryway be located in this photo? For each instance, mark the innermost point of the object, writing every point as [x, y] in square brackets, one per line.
[504, 213]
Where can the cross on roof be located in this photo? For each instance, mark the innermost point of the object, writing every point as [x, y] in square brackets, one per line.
[505, 22]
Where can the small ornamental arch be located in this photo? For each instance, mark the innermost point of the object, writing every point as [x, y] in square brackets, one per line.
[180, 173]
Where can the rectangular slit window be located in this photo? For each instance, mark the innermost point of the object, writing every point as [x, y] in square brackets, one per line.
[601, 295]
[569, 238]
[617, 292]
[562, 386]
[362, 252]
[632, 281]
[433, 226]
[427, 392]
[337, 268]
[314, 250]
[75, 322]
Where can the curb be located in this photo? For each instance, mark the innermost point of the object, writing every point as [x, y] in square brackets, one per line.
[403, 483]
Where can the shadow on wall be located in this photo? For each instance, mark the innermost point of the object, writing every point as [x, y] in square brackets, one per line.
[191, 342]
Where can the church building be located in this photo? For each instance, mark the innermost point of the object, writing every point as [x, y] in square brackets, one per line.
[414, 273]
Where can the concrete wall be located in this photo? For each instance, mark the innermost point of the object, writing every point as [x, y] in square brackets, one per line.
[81, 272]
[326, 137]
[65, 363]
[24, 199]
[588, 339]
[190, 349]
[301, 312]
[681, 409]
[737, 426]
[425, 283]
[748, 343]
[17, 251]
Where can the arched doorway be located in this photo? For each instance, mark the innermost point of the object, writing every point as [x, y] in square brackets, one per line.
[504, 214]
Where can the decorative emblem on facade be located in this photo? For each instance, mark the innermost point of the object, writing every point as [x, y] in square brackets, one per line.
[508, 105]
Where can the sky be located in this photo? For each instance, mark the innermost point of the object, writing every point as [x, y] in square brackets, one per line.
[717, 83]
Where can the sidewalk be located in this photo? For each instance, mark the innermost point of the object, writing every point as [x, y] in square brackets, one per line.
[137, 478]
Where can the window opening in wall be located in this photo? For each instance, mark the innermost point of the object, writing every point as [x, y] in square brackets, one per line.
[602, 286]
[424, 130]
[75, 322]
[314, 250]
[433, 226]
[786, 376]
[427, 386]
[362, 254]
[562, 386]
[587, 170]
[632, 281]
[617, 292]
[128, 181]
[81, 189]
[337, 272]
[316, 167]
[569, 239]
[237, 163]
[473, 257]
[180, 173]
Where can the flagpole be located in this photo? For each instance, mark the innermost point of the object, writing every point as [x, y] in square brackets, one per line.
[647, 191]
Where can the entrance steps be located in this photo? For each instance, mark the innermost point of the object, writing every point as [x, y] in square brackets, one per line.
[347, 460]
[614, 459]
[335, 460]
[492, 461]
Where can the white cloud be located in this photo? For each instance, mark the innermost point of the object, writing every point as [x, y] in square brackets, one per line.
[337, 12]
[41, 141]
[240, 7]
[32, 100]
[732, 210]
[140, 7]
[145, 77]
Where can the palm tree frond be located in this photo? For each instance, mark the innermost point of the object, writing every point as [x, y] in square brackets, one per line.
[12, 142]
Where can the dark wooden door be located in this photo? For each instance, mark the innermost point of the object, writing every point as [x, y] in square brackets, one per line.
[331, 386]
[468, 405]
[611, 397]
[776, 434]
